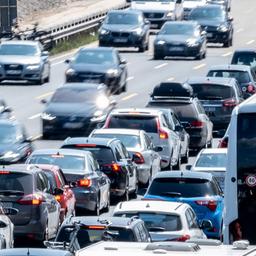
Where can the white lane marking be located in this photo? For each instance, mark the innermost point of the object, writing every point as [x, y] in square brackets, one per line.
[250, 42]
[171, 78]
[44, 95]
[129, 96]
[248, 11]
[240, 30]
[199, 66]
[129, 78]
[161, 65]
[226, 54]
[34, 116]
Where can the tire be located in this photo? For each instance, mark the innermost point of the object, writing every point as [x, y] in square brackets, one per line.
[209, 144]
[124, 88]
[199, 56]
[147, 46]
[96, 211]
[157, 56]
[177, 166]
[204, 55]
[142, 48]
[106, 209]
[46, 232]
[125, 196]
[184, 159]
[134, 194]
[228, 43]
[39, 81]
[149, 180]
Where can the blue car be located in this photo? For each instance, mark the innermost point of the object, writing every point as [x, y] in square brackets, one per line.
[200, 190]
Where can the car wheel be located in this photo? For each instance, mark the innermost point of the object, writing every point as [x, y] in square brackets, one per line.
[39, 81]
[227, 43]
[142, 48]
[135, 192]
[209, 144]
[106, 209]
[149, 180]
[177, 166]
[46, 232]
[97, 207]
[147, 46]
[204, 54]
[125, 196]
[184, 159]
[124, 88]
[199, 56]
[157, 56]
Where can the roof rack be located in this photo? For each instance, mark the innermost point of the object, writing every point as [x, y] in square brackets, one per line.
[210, 242]
[172, 246]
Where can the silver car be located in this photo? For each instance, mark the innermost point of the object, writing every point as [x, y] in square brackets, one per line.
[24, 60]
[140, 146]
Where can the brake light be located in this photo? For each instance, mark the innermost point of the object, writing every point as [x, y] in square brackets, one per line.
[97, 227]
[4, 172]
[114, 167]
[138, 158]
[84, 183]
[230, 103]
[32, 199]
[210, 204]
[58, 198]
[223, 143]
[183, 238]
[197, 124]
[162, 134]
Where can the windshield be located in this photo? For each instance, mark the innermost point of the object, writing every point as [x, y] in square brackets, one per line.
[152, 220]
[94, 57]
[212, 160]
[122, 18]
[8, 134]
[178, 29]
[18, 49]
[216, 14]
[248, 59]
[65, 162]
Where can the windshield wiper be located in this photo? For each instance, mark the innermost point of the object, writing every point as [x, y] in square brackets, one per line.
[171, 194]
[11, 192]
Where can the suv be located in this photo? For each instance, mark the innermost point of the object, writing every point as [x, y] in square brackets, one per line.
[242, 73]
[218, 96]
[189, 110]
[88, 230]
[27, 198]
[114, 161]
[155, 124]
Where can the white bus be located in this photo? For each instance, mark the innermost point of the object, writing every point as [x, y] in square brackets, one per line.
[240, 181]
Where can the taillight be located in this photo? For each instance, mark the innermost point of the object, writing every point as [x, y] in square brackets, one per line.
[210, 204]
[138, 158]
[223, 143]
[32, 199]
[58, 198]
[162, 134]
[84, 183]
[183, 238]
[197, 124]
[114, 167]
[230, 103]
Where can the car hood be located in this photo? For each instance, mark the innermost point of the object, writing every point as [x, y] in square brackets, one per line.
[10, 59]
[98, 68]
[174, 38]
[8, 147]
[192, 4]
[153, 6]
[120, 28]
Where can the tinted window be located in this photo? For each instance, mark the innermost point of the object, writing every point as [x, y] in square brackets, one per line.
[212, 91]
[212, 160]
[245, 58]
[167, 221]
[179, 29]
[51, 178]
[19, 49]
[16, 181]
[146, 123]
[122, 18]
[181, 187]
[216, 14]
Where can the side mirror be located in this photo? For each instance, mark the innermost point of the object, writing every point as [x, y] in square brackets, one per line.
[3, 224]
[206, 224]
[147, 22]
[58, 191]
[203, 33]
[230, 18]
[158, 149]
[123, 62]
[67, 61]
[188, 167]
[178, 128]
[43, 101]
[45, 53]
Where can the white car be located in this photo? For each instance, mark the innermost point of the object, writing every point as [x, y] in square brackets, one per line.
[188, 5]
[140, 147]
[166, 221]
[6, 230]
[212, 160]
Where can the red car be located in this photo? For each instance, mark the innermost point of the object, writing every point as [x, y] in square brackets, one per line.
[66, 196]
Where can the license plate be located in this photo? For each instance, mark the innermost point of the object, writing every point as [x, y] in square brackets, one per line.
[13, 72]
[154, 26]
[120, 40]
[210, 109]
[73, 125]
[93, 81]
[209, 34]
[176, 48]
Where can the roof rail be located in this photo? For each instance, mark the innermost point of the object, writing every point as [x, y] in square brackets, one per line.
[210, 242]
[173, 246]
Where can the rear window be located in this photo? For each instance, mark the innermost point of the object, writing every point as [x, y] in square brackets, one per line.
[212, 91]
[146, 123]
[12, 181]
[169, 222]
[182, 187]
[212, 160]
[87, 236]
[245, 58]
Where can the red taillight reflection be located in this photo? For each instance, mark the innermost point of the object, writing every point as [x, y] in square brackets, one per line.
[84, 183]
[114, 167]
[138, 158]
[197, 124]
[32, 199]
[230, 103]
[210, 204]
[183, 238]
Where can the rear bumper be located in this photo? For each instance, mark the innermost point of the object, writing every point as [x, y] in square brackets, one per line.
[85, 199]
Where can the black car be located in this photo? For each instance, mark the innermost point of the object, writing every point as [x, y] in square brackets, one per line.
[188, 109]
[81, 170]
[125, 28]
[98, 65]
[75, 109]
[34, 252]
[218, 96]
[180, 38]
[5, 110]
[225, 3]
[15, 146]
[88, 230]
[114, 161]
[215, 21]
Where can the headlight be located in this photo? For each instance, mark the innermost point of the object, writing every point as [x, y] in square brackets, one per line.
[103, 31]
[222, 28]
[47, 116]
[160, 42]
[10, 154]
[137, 31]
[102, 102]
[192, 42]
[112, 72]
[169, 14]
[33, 67]
[70, 72]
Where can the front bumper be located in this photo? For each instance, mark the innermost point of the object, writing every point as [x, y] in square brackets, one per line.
[217, 36]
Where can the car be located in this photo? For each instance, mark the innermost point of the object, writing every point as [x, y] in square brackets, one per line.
[158, 12]
[6, 112]
[140, 146]
[34, 252]
[242, 73]
[6, 230]
[215, 21]
[154, 123]
[27, 199]
[200, 190]
[212, 160]
[189, 5]
[218, 96]
[75, 108]
[114, 161]
[179, 97]
[62, 190]
[166, 221]
[244, 57]
[81, 170]
[15, 146]
[87, 230]
[98, 65]
[24, 60]
[182, 39]
[125, 28]
[225, 3]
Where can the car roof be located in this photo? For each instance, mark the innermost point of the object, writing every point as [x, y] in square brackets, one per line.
[247, 106]
[210, 6]
[20, 42]
[183, 174]
[136, 111]
[230, 67]
[214, 151]
[211, 80]
[245, 50]
[85, 86]
[149, 206]
[118, 131]
[101, 48]
[26, 168]
[129, 10]
[182, 22]
[34, 252]
[90, 140]
[61, 151]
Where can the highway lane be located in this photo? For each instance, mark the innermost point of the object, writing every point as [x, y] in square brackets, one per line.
[144, 73]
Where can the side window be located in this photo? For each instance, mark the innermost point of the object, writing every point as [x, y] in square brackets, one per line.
[61, 178]
[217, 186]
[91, 164]
[95, 163]
[43, 183]
[193, 219]
[143, 234]
[166, 122]
[147, 141]
[253, 75]
[189, 219]
[238, 89]
[51, 179]
[175, 119]
[200, 107]
[2, 106]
